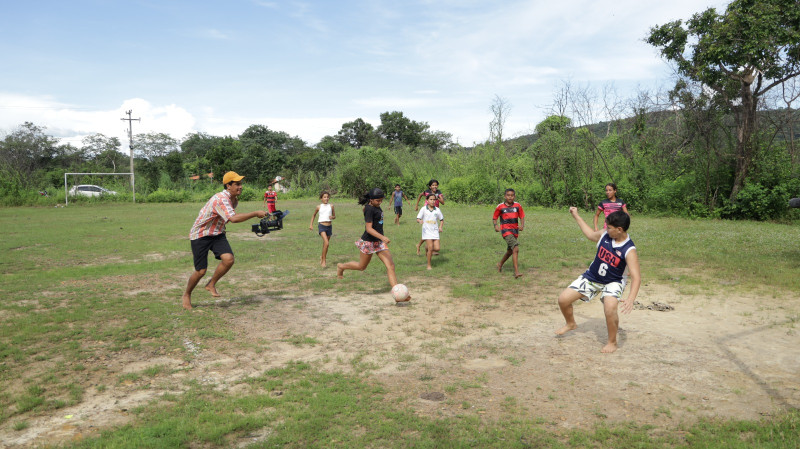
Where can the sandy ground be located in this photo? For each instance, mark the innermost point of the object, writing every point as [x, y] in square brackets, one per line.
[712, 356]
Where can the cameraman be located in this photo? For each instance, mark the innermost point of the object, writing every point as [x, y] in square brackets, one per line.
[208, 234]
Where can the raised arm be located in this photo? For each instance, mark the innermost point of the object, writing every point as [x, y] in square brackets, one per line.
[590, 233]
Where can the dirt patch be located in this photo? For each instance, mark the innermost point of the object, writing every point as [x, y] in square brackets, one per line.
[709, 356]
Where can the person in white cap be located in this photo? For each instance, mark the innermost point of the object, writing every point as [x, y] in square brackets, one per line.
[208, 234]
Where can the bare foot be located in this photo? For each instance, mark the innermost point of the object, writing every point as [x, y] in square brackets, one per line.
[609, 348]
[567, 328]
[213, 291]
[499, 267]
[517, 275]
[339, 271]
[323, 264]
[430, 267]
[408, 298]
[187, 302]
[418, 248]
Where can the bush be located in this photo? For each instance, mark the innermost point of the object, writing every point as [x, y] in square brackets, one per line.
[472, 189]
[168, 196]
[361, 169]
[756, 202]
[250, 194]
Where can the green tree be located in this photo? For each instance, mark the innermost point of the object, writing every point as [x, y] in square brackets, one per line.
[740, 55]
[260, 164]
[330, 145]
[197, 145]
[356, 133]
[274, 140]
[397, 128]
[361, 169]
[224, 156]
[95, 144]
[25, 150]
[152, 145]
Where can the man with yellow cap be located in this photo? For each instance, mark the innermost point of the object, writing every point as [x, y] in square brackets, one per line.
[208, 234]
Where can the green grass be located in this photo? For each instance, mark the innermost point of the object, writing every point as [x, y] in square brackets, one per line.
[95, 280]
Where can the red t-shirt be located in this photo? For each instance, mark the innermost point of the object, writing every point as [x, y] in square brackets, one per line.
[509, 218]
[271, 196]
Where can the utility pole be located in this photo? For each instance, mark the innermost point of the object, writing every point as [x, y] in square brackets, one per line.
[130, 146]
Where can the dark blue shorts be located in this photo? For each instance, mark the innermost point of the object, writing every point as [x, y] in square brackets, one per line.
[326, 229]
[200, 248]
[398, 210]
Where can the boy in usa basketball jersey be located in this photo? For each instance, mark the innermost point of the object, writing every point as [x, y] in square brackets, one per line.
[604, 278]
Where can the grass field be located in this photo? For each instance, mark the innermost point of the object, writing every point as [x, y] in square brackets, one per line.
[91, 314]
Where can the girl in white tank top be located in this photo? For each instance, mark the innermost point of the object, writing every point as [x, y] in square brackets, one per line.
[325, 227]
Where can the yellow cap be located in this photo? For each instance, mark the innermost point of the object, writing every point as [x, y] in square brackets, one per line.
[231, 176]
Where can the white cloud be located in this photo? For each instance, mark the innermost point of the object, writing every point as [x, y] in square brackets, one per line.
[72, 123]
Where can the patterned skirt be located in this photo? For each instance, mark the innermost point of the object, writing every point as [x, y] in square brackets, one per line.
[371, 247]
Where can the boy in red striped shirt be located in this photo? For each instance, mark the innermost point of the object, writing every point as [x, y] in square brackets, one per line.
[512, 221]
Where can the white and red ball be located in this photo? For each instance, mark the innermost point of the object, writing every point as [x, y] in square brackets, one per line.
[400, 293]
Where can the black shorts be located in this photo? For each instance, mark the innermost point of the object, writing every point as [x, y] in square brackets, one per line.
[326, 229]
[200, 248]
[398, 210]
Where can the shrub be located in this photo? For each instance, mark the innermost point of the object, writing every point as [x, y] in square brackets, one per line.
[472, 189]
[756, 202]
[168, 196]
[361, 169]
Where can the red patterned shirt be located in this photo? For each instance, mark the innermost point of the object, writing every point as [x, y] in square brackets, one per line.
[213, 216]
[509, 218]
[271, 196]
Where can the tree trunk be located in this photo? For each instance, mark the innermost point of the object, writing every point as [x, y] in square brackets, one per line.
[745, 123]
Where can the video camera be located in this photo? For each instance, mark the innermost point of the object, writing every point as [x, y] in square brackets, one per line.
[272, 222]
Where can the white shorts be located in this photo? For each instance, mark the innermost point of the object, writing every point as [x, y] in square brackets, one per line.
[590, 289]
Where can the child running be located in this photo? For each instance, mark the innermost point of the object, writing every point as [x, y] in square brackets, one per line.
[432, 221]
[372, 241]
[512, 221]
[615, 251]
[612, 204]
[433, 189]
[397, 199]
[325, 225]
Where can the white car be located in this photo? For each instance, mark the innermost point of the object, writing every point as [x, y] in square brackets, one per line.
[89, 190]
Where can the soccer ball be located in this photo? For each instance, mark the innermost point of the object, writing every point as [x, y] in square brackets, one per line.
[400, 293]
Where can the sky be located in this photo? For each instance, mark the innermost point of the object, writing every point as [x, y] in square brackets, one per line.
[307, 67]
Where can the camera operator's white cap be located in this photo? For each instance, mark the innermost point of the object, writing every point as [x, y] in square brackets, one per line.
[231, 176]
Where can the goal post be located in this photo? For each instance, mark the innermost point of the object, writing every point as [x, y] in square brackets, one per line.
[66, 188]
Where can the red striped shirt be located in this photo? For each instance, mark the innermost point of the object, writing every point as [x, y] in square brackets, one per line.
[509, 218]
[271, 196]
[213, 216]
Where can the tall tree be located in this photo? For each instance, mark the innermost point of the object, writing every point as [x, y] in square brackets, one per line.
[24, 151]
[152, 145]
[740, 55]
[500, 109]
[272, 140]
[356, 133]
[395, 127]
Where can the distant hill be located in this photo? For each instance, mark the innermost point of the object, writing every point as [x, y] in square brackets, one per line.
[602, 129]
